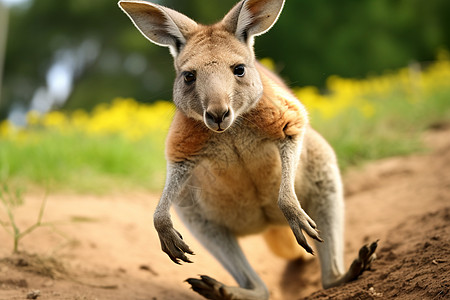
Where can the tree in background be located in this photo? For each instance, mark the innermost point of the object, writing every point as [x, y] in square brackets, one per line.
[81, 52]
[93, 41]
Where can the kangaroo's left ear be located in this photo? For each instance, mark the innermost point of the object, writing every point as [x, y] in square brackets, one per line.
[251, 18]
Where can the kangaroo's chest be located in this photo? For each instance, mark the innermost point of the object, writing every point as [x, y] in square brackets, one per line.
[238, 182]
[237, 178]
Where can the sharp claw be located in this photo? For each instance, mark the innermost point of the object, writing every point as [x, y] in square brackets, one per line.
[307, 247]
[179, 258]
[316, 235]
[192, 281]
[318, 238]
[196, 284]
[301, 240]
[373, 246]
[186, 249]
[208, 279]
[312, 224]
[186, 259]
[176, 259]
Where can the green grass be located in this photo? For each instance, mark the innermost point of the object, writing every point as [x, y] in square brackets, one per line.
[83, 163]
[395, 128]
[10, 200]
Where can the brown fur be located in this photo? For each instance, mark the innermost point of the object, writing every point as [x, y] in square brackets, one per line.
[278, 113]
[186, 138]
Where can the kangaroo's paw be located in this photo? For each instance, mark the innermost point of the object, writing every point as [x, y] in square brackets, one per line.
[173, 245]
[209, 288]
[302, 222]
[212, 289]
[365, 257]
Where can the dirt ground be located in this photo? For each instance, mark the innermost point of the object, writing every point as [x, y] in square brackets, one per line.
[106, 247]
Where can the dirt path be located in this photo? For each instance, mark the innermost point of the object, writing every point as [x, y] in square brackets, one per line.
[106, 247]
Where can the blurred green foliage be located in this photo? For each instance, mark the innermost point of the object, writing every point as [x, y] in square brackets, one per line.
[312, 40]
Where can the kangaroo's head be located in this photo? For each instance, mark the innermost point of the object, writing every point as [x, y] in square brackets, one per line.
[216, 77]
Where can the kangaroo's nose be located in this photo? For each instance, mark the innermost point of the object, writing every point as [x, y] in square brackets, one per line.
[218, 118]
[217, 115]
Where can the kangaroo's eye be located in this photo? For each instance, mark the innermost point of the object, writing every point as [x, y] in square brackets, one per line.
[239, 70]
[189, 77]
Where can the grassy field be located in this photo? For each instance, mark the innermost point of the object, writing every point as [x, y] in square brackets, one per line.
[380, 116]
[120, 146]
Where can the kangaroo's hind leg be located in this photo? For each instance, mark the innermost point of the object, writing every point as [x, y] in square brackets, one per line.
[223, 245]
[326, 207]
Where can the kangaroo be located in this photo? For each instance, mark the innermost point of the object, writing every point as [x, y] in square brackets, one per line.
[241, 156]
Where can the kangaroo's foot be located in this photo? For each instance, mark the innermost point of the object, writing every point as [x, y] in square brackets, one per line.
[362, 263]
[215, 290]
[365, 258]
[208, 287]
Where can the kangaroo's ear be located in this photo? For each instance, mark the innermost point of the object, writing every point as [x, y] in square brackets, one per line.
[161, 25]
[250, 18]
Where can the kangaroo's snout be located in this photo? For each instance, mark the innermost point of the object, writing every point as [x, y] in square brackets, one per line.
[218, 118]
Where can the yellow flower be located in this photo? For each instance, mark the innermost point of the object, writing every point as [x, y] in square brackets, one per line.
[33, 118]
[55, 120]
[6, 128]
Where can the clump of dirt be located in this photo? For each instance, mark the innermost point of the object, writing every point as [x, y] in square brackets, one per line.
[414, 263]
[10, 283]
[36, 264]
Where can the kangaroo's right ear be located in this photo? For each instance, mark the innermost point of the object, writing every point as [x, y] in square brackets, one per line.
[161, 25]
[250, 18]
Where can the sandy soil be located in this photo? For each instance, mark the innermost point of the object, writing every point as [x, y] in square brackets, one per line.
[106, 247]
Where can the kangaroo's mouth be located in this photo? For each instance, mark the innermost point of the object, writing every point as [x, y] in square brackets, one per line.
[217, 128]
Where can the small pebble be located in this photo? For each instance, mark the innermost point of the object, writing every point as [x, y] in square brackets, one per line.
[372, 291]
[438, 261]
[33, 294]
